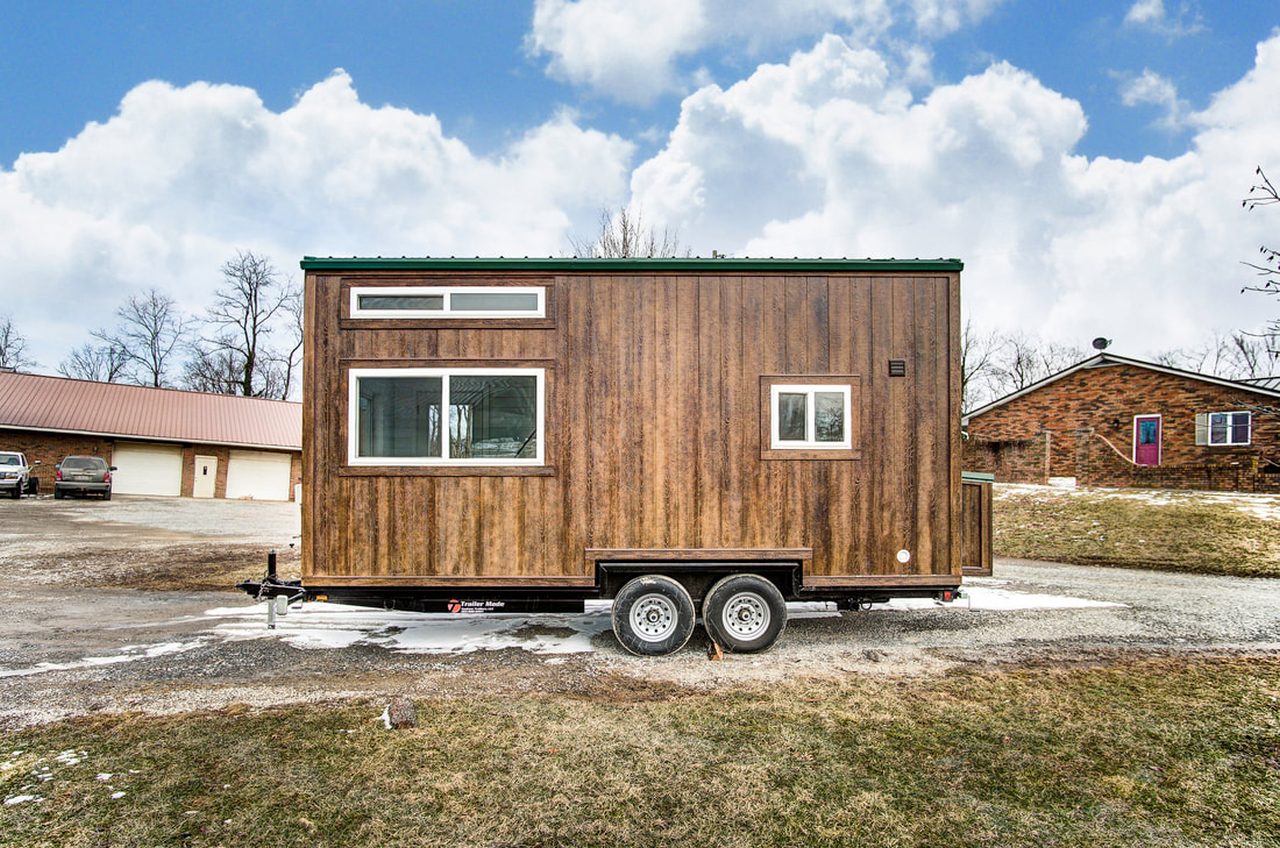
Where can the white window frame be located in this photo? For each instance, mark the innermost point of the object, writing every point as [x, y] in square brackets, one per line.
[448, 292]
[353, 417]
[1228, 443]
[810, 422]
[1159, 444]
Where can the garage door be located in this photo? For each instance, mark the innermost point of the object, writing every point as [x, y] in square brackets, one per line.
[146, 469]
[261, 475]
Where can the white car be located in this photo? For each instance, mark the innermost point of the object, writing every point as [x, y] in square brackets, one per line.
[15, 474]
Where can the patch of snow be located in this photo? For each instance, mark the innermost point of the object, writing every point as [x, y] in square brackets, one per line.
[323, 625]
[1259, 505]
[990, 598]
[116, 796]
[105, 776]
[20, 799]
[130, 654]
[71, 758]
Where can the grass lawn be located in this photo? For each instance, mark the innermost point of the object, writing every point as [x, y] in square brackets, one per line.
[1174, 531]
[1155, 752]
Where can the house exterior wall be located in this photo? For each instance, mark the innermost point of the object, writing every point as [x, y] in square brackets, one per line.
[1010, 460]
[1088, 420]
[52, 448]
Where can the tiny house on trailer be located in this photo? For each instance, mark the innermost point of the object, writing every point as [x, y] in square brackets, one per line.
[687, 437]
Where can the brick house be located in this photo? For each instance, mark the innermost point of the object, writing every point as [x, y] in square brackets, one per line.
[1115, 421]
[162, 441]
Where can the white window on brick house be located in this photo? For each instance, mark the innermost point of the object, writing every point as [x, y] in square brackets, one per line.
[1224, 428]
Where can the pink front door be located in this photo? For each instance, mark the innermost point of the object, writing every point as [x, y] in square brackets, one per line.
[1146, 440]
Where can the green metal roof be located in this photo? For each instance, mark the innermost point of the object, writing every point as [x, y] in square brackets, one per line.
[405, 263]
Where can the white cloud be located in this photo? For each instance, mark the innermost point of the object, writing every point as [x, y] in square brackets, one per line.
[1151, 88]
[633, 51]
[830, 155]
[1152, 15]
[169, 187]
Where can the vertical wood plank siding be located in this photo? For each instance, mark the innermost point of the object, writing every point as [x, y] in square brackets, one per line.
[653, 434]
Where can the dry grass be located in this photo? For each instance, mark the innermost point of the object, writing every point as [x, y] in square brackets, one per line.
[1160, 752]
[1099, 528]
[188, 567]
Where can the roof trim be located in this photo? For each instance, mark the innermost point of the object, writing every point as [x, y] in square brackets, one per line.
[1105, 358]
[135, 437]
[551, 263]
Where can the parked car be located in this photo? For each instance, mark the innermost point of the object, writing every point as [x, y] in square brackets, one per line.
[15, 475]
[83, 475]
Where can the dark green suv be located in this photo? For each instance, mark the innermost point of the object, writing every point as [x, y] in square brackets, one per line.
[83, 475]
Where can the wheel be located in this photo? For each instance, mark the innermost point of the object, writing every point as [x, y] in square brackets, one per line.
[744, 613]
[653, 615]
[33, 486]
[58, 494]
[17, 491]
[106, 496]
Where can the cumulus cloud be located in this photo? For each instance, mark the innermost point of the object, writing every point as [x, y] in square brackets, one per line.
[1151, 88]
[633, 51]
[179, 178]
[1152, 15]
[831, 155]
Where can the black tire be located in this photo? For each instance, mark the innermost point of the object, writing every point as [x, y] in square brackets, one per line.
[106, 496]
[17, 491]
[653, 615]
[744, 613]
[58, 494]
[33, 486]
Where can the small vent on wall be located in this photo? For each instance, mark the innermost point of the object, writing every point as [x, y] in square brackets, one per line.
[897, 367]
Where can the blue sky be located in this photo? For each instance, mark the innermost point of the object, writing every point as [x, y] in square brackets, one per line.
[65, 64]
[142, 143]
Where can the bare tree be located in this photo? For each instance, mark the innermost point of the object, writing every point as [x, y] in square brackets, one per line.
[290, 360]
[103, 363]
[623, 234]
[1268, 265]
[150, 334]
[13, 346]
[210, 369]
[1239, 356]
[1024, 360]
[978, 353]
[235, 357]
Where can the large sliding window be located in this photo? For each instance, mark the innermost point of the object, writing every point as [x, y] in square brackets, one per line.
[448, 301]
[446, 416]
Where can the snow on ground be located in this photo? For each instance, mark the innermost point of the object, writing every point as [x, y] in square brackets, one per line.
[1259, 505]
[321, 625]
[129, 653]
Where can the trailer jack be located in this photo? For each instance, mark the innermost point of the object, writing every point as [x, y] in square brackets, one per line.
[278, 593]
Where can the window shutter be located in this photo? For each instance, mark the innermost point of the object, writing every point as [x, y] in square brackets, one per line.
[1202, 428]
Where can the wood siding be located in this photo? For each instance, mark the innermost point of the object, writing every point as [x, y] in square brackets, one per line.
[653, 429]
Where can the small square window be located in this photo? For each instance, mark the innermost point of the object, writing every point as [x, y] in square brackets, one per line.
[810, 417]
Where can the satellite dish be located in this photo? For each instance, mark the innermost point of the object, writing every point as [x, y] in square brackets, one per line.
[1101, 344]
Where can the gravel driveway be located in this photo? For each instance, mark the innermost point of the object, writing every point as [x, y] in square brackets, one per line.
[68, 649]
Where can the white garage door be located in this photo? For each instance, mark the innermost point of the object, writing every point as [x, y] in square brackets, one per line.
[261, 475]
[146, 469]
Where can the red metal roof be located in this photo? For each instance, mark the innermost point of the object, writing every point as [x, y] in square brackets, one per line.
[61, 404]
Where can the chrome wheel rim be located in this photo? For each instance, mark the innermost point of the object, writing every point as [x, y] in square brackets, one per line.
[745, 616]
[653, 617]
